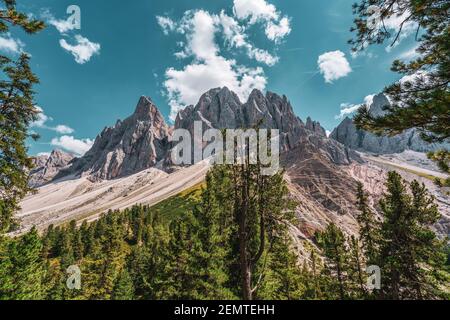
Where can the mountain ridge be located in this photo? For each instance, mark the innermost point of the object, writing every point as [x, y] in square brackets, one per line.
[143, 140]
[347, 134]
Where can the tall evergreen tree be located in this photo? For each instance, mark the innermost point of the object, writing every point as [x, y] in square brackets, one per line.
[368, 225]
[409, 251]
[17, 111]
[332, 241]
[422, 99]
[357, 273]
[26, 268]
[123, 288]
[259, 206]
[284, 279]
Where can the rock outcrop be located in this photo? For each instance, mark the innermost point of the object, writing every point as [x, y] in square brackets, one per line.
[347, 134]
[48, 166]
[220, 108]
[143, 140]
[139, 142]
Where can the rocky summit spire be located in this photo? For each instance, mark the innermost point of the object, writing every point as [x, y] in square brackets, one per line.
[134, 144]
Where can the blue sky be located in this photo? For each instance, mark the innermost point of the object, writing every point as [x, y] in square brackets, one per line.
[172, 50]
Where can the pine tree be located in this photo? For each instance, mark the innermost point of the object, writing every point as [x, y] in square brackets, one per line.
[410, 254]
[422, 101]
[357, 275]
[284, 279]
[123, 288]
[17, 111]
[332, 241]
[6, 282]
[213, 230]
[255, 208]
[182, 270]
[27, 268]
[368, 226]
[313, 277]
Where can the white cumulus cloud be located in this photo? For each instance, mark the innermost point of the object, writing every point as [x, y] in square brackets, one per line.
[83, 50]
[206, 65]
[277, 31]
[71, 144]
[333, 65]
[63, 129]
[276, 26]
[208, 68]
[255, 10]
[42, 118]
[235, 35]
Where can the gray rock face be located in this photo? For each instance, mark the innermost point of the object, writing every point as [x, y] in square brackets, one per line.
[315, 127]
[361, 140]
[48, 166]
[134, 144]
[143, 140]
[221, 109]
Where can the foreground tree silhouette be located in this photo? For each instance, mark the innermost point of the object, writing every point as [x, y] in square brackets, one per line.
[422, 99]
[17, 110]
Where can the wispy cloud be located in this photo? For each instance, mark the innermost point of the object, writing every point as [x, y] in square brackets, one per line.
[166, 24]
[276, 26]
[209, 69]
[83, 50]
[62, 25]
[43, 119]
[11, 45]
[409, 54]
[397, 23]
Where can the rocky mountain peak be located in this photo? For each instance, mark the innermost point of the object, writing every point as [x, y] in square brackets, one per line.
[142, 140]
[379, 102]
[134, 144]
[221, 108]
[146, 110]
[48, 166]
[315, 127]
[347, 134]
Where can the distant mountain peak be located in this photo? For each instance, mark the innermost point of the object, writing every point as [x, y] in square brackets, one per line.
[347, 133]
[48, 166]
[134, 144]
[379, 102]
